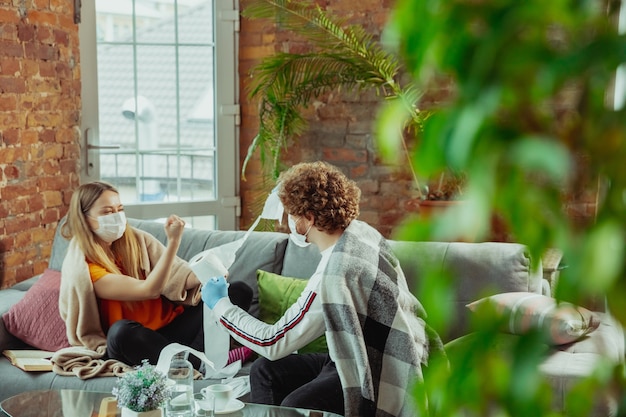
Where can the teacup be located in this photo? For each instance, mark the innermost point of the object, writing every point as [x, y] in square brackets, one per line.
[222, 394]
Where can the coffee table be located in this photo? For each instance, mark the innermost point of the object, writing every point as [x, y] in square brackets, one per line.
[77, 403]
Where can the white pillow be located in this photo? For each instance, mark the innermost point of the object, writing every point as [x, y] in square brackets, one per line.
[521, 312]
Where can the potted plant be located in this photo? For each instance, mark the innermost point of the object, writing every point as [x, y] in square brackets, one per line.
[442, 191]
[142, 392]
[342, 57]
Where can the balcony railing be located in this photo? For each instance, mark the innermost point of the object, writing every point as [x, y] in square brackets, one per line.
[163, 174]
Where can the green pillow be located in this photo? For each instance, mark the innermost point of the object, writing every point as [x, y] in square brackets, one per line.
[276, 295]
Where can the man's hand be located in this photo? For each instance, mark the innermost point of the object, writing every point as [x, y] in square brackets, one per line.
[214, 290]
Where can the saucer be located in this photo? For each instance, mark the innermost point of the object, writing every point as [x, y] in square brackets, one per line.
[231, 407]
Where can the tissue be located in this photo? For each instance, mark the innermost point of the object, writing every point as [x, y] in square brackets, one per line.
[207, 265]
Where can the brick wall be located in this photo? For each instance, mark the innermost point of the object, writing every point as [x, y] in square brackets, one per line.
[39, 115]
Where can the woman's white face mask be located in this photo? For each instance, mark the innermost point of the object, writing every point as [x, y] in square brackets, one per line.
[296, 237]
[111, 226]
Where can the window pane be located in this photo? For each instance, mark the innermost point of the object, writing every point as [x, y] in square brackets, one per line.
[156, 22]
[156, 99]
[114, 86]
[198, 16]
[196, 95]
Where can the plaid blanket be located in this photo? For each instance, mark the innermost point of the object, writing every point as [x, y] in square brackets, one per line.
[375, 327]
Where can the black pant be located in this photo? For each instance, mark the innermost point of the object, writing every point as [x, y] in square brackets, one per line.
[130, 342]
[302, 381]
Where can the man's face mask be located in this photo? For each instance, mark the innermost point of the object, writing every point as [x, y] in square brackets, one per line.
[297, 238]
[225, 254]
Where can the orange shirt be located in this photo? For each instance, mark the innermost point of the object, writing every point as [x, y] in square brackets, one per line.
[152, 313]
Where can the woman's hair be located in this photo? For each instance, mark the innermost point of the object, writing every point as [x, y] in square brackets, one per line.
[125, 250]
[321, 190]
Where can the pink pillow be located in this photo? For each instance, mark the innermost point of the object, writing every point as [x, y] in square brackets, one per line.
[35, 319]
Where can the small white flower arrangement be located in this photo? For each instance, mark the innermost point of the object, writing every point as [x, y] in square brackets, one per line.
[144, 389]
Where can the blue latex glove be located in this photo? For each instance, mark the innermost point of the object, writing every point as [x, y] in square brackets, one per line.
[214, 290]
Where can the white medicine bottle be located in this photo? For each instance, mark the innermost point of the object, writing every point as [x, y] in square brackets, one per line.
[180, 375]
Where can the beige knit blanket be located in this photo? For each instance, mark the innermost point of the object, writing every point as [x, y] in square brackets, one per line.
[78, 306]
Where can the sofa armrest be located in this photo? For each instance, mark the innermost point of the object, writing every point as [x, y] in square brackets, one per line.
[551, 261]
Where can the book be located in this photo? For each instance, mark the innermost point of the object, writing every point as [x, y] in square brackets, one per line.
[30, 359]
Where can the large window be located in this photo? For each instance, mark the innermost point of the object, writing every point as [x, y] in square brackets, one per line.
[159, 106]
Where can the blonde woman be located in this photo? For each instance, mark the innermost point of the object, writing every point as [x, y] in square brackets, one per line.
[124, 295]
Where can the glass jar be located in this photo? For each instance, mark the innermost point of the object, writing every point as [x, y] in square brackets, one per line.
[180, 375]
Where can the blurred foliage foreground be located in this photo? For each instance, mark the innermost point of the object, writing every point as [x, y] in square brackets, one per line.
[532, 98]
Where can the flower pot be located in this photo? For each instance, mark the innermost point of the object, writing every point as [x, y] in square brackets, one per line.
[127, 412]
[428, 208]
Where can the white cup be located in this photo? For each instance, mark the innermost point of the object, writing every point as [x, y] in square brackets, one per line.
[222, 394]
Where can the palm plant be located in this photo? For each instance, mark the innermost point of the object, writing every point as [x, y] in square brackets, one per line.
[342, 56]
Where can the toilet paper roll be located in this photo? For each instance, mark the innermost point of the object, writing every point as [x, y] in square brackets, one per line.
[207, 265]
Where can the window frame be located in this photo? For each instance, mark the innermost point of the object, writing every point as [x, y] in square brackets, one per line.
[226, 205]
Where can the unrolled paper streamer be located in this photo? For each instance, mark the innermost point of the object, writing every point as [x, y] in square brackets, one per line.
[215, 262]
[206, 265]
[216, 341]
[168, 352]
[272, 209]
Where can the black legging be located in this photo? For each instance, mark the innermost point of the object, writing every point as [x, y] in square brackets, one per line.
[130, 342]
[301, 381]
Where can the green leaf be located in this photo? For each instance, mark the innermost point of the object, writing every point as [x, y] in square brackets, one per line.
[389, 129]
[601, 262]
[533, 154]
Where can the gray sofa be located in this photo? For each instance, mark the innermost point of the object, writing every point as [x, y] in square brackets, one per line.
[480, 269]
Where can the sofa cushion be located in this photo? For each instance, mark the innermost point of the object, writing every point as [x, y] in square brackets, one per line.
[300, 262]
[607, 340]
[477, 270]
[522, 312]
[59, 248]
[35, 319]
[276, 295]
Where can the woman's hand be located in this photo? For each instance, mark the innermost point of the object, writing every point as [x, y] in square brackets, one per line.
[174, 227]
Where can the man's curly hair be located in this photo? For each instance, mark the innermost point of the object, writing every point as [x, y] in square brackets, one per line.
[321, 190]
